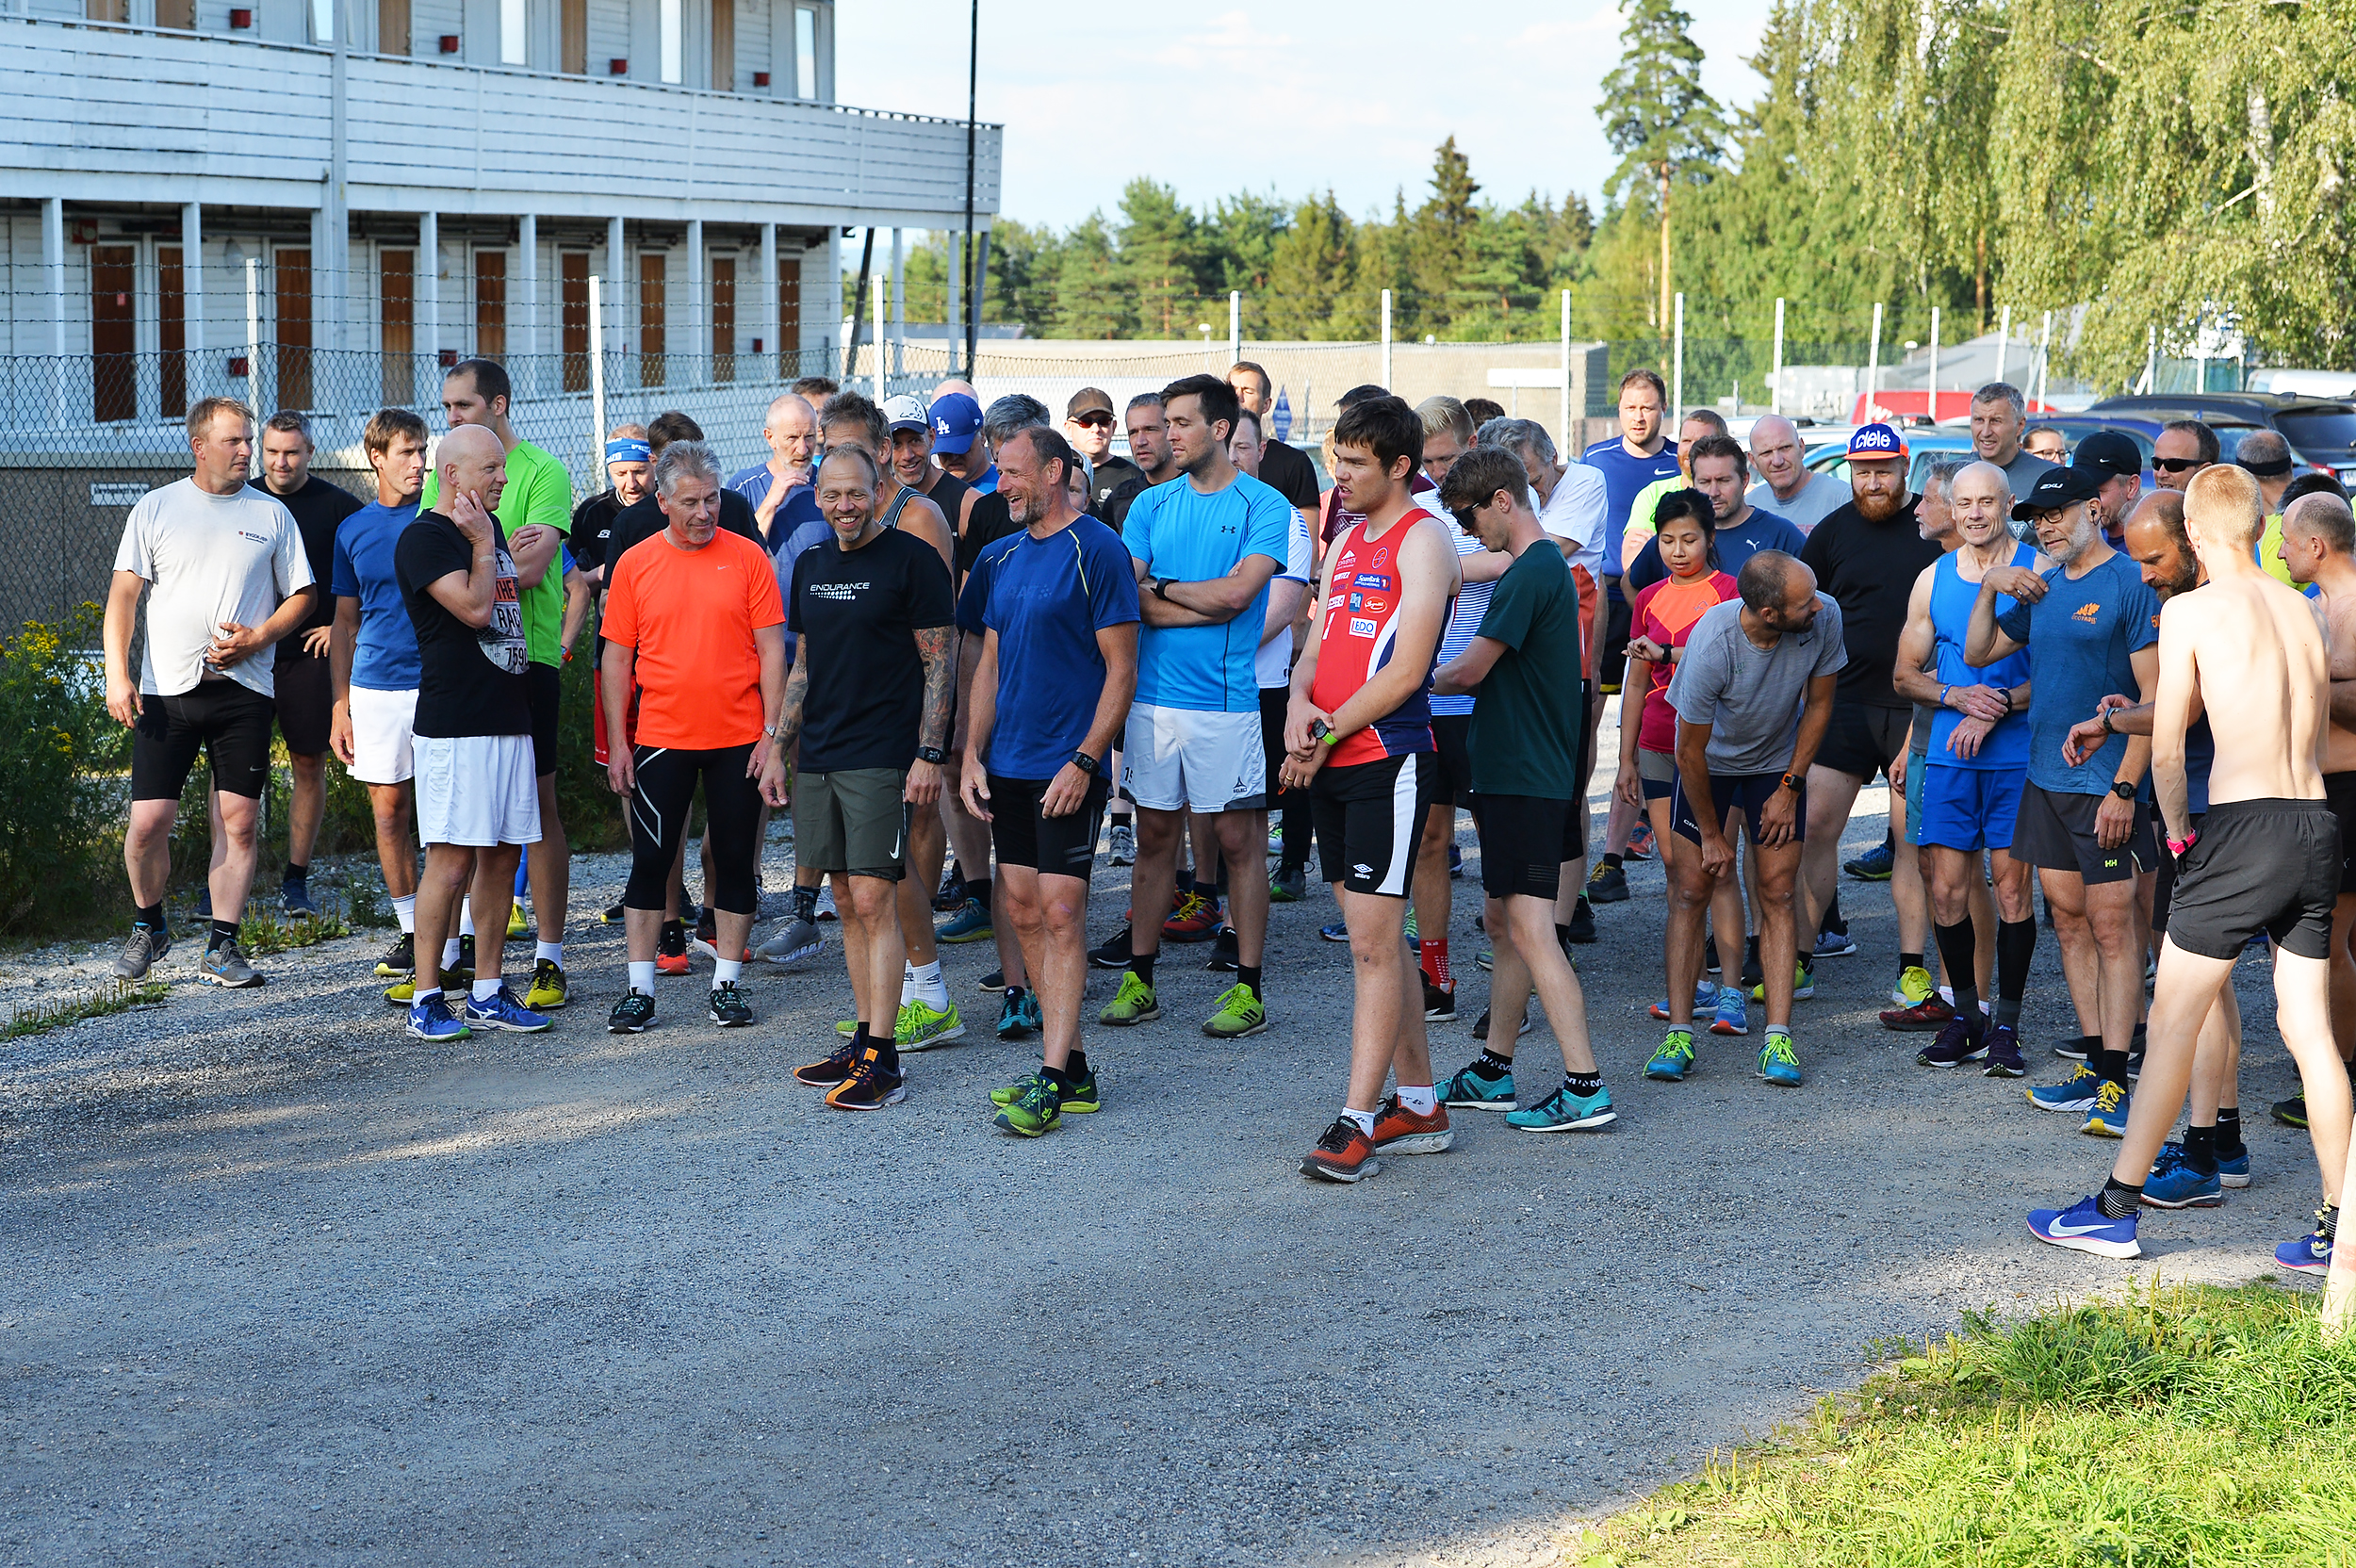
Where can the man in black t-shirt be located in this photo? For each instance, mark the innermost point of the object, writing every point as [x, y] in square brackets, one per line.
[1285, 469]
[305, 697]
[1088, 424]
[1149, 444]
[629, 476]
[477, 779]
[1866, 556]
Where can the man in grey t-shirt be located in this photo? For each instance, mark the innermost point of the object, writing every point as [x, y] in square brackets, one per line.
[1786, 486]
[1753, 695]
[2000, 415]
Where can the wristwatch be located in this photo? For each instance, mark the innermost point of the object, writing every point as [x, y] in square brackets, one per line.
[2107, 722]
[1085, 763]
[931, 754]
[1161, 585]
[1320, 731]
[1793, 782]
[2123, 789]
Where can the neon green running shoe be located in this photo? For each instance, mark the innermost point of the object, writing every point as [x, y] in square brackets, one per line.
[919, 1028]
[1035, 1112]
[1133, 1004]
[1240, 1013]
[1675, 1059]
[1914, 986]
[1777, 1063]
[1078, 1099]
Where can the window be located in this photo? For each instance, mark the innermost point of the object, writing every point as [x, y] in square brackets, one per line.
[806, 51]
[650, 318]
[674, 40]
[515, 40]
[490, 304]
[106, 10]
[322, 21]
[171, 331]
[113, 332]
[294, 330]
[723, 318]
[574, 266]
[176, 13]
[397, 322]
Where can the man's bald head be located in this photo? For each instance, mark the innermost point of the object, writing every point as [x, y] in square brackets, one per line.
[472, 460]
[2224, 509]
[953, 384]
[1769, 427]
[790, 411]
[2324, 517]
[467, 444]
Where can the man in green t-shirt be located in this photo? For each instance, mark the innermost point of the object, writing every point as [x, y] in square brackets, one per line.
[535, 511]
[1522, 671]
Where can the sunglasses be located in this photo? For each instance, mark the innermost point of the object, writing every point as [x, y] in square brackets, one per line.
[1095, 420]
[2176, 464]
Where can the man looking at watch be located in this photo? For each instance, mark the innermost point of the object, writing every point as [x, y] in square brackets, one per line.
[2091, 627]
[1058, 669]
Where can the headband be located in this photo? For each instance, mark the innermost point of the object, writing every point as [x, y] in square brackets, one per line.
[2267, 470]
[627, 450]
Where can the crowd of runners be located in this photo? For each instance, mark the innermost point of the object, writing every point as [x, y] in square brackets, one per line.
[973, 651]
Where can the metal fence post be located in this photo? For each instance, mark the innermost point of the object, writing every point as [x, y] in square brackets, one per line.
[878, 332]
[1235, 325]
[1934, 364]
[253, 350]
[1874, 365]
[2045, 355]
[1386, 339]
[1774, 387]
[597, 366]
[2004, 342]
[1563, 432]
[1677, 368]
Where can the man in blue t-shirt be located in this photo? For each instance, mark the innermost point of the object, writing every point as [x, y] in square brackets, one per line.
[2091, 625]
[372, 662]
[1204, 545]
[1058, 671]
[782, 496]
[1639, 454]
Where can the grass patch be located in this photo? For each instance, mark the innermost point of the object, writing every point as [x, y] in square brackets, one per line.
[116, 996]
[2181, 1425]
[264, 930]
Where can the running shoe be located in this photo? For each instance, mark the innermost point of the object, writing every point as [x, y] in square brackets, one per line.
[613, 913]
[1481, 1025]
[1132, 1004]
[971, 923]
[2174, 1184]
[1337, 932]
[1035, 1110]
[1407, 927]
[730, 1009]
[1957, 1044]
[2003, 1054]
[870, 1086]
[1290, 885]
[1640, 842]
[2074, 1093]
[919, 1027]
[402, 992]
[1485, 960]
[1675, 1059]
[1732, 1018]
[434, 1021]
[1113, 951]
[1921, 1017]
[1777, 1063]
[836, 1068]
[1835, 944]
[1123, 838]
[226, 966]
[2290, 1113]
[1439, 1006]
[1019, 1016]
[503, 1009]
[1079, 1096]
[952, 889]
[1705, 998]
[633, 1015]
[205, 902]
[1913, 988]
[1875, 865]
[148, 944]
[826, 902]
[1275, 842]
[1582, 923]
[846, 1027]
[1343, 1153]
[1225, 959]
[1752, 973]
[549, 989]
[1400, 1130]
[2084, 1228]
[294, 896]
[2234, 1172]
[995, 982]
[1607, 885]
[2312, 1252]
[670, 949]
[517, 924]
[1240, 1013]
[796, 939]
[2074, 1048]
[706, 937]
[1803, 983]
[2107, 1116]
[1470, 1091]
[1195, 920]
[1565, 1112]
[400, 958]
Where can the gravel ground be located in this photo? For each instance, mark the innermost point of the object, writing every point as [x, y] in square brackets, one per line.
[280, 1280]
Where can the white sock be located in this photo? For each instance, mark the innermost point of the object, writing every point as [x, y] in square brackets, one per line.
[434, 995]
[725, 970]
[930, 991]
[1363, 1118]
[486, 990]
[1423, 1101]
[908, 983]
[450, 953]
[641, 976]
[465, 918]
[406, 911]
[552, 952]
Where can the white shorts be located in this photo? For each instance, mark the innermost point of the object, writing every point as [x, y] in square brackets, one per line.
[1182, 759]
[477, 791]
[382, 730]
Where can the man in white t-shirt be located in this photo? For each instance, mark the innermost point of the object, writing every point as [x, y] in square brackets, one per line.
[229, 579]
[1279, 638]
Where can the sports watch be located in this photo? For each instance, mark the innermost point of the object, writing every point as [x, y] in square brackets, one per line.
[2122, 789]
[1320, 731]
[1085, 763]
[931, 754]
[1793, 782]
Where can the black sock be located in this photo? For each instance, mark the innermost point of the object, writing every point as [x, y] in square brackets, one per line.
[1561, 936]
[2228, 1144]
[1585, 1084]
[1060, 1076]
[673, 928]
[1912, 961]
[1832, 912]
[2109, 1064]
[2015, 945]
[1248, 977]
[887, 1052]
[1955, 953]
[805, 903]
[1491, 1067]
[860, 1040]
[2117, 1200]
[1208, 890]
[1610, 860]
[1142, 965]
[977, 888]
[152, 916]
[1075, 1066]
[223, 931]
[2201, 1149]
[1014, 993]
[2137, 1047]
[1580, 908]
[295, 873]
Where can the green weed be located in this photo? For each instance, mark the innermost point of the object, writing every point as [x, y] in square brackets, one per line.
[116, 996]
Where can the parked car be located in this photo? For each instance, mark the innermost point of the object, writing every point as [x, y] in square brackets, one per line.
[2322, 432]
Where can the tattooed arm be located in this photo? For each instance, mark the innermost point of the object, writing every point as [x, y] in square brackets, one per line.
[937, 646]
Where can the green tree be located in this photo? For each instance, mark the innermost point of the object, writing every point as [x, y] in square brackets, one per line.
[1162, 259]
[1440, 244]
[1310, 269]
[1089, 303]
[1667, 130]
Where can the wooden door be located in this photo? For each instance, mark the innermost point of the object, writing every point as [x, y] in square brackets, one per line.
[392, 26]
[573, 23]
[106, 10]
[114, 327]
[573, 267]
[176, 13]
[653, 282]
[724, 45]
[396, 324]
[723, 318]
[789, 317]
[172, 332]
[490, 304]
[294, 330]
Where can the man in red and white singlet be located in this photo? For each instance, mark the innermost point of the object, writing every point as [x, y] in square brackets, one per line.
[1358, 737]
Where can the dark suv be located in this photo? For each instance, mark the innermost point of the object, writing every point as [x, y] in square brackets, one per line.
[2322, 432]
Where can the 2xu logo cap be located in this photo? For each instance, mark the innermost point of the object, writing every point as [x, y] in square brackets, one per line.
[1875, 441]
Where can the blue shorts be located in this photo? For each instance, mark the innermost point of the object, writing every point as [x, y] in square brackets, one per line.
[1737, 794]
[1969, 808]
[1918, 765]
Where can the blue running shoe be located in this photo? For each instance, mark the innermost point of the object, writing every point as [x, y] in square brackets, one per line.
[2174, 1184]
[1875, 865]
[1732, 1016]
[504, 1010]
[1019, 1016]
[970, 924]
[1337, 932]
[1705, 998]
[2312, 1252]
[434, 1021]
[2076, 1093]
[1565, 1112]
[1777, 1063]
[2235, 1172]
[2107, 1116]
[1675, 1059]
[1470, 1091]
[2084, 1228]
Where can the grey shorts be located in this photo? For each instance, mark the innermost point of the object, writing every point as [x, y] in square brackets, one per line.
[853, 822]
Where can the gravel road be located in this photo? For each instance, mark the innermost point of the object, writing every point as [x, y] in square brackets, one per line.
[281, 1284]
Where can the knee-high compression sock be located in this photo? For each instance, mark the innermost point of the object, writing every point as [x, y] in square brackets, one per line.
[1956, 952]
[2015, 945]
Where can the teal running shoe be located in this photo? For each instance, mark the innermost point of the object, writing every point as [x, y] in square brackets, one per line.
[1675, 1059]
[1470, 1091]
[1777, 1063]
[2074, 1093]
[971, 923]
[1019, 1015]
[1565, 1112]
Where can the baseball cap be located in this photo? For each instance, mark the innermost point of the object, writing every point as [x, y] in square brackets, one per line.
[1875, 441]
[905, 413]
[1088, 399]
[2109, 453]
[956, 420]
[2056, 488]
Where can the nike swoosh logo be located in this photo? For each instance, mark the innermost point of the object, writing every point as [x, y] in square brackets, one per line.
[2061, 1230]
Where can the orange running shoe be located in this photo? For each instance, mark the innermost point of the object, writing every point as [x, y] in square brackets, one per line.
[1342, 1154]
[1400, 1130]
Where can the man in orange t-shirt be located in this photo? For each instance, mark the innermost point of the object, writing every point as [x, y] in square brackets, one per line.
[694, 626]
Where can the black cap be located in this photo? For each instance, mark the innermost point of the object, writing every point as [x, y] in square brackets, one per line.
[2056, 488]
[2110, 453]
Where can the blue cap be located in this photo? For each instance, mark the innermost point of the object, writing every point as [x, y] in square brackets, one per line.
[1869, 442]
[956, 420]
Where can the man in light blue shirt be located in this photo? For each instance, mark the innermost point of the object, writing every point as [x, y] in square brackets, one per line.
[1204, 546]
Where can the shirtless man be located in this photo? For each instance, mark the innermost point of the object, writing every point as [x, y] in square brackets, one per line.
[2318, 535]
[2268, 860]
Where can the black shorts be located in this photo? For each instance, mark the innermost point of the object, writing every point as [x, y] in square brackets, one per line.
[1862, 741]
[2163, 884]
[1612, 665]
[1275, 702]
[2259, 865]
[1524, 842]
[2056, 832]
[1054, 846]
[306, 701]
[1451, 733]
[1369, 821]
[227, 720]
[2339, 790]
[1745, 794]
[540, 690]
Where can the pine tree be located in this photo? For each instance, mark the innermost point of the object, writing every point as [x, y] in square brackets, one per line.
[1439, 247]
[1656, 115]
[1310, 269]
[1161, 258]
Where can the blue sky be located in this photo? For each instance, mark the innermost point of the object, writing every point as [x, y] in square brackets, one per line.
[1298, 96]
